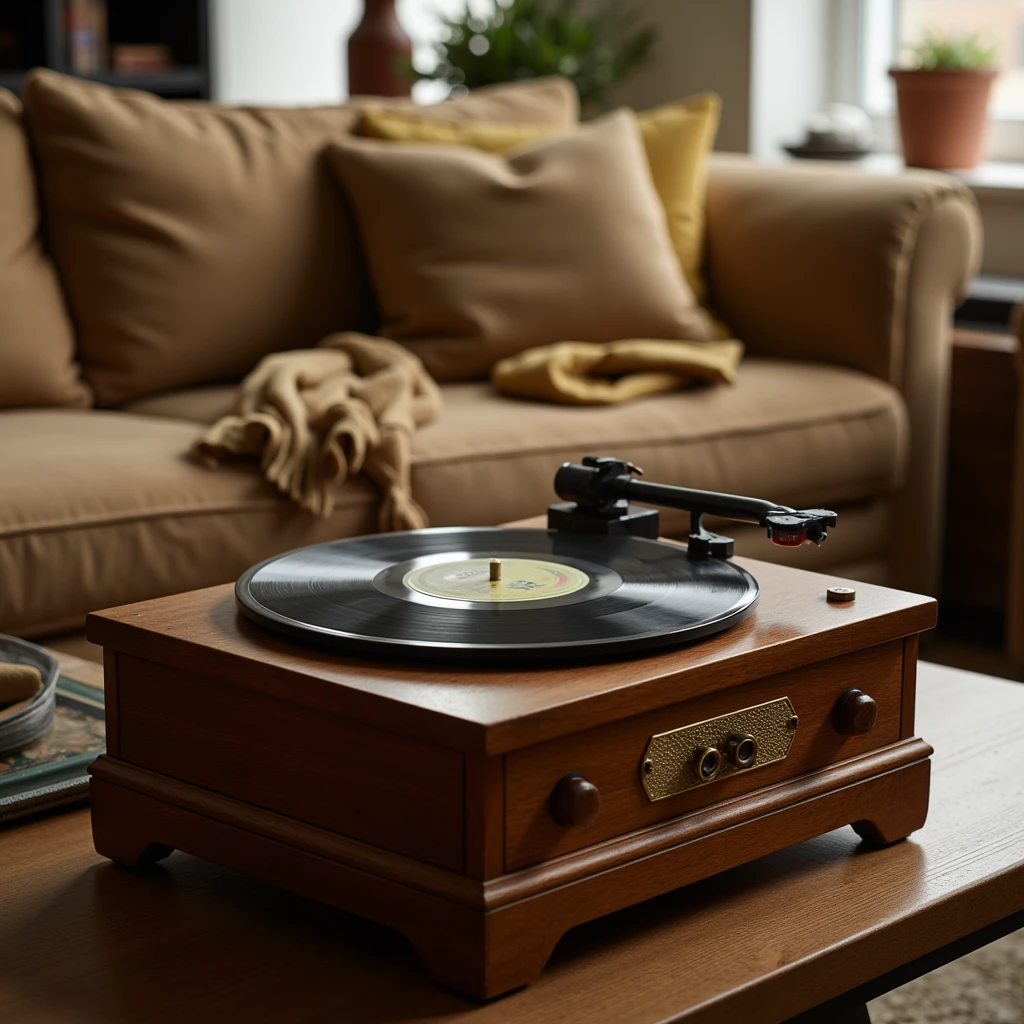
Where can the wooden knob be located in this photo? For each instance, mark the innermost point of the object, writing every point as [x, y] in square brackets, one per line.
[574, 801]
[855, 713]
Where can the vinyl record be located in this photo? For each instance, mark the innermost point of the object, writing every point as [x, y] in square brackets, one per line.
[492, 592]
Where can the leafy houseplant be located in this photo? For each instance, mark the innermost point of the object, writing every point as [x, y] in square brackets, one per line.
[595, 48]
[943, 100]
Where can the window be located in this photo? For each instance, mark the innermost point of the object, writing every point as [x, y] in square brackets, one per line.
[889, 27]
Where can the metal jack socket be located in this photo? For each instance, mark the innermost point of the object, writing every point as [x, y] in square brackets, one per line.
[741, 750]
[707, 763]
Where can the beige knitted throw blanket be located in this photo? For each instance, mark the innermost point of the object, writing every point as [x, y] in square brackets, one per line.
[315, 416]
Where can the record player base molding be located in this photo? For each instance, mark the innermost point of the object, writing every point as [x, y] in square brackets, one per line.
[489, 937]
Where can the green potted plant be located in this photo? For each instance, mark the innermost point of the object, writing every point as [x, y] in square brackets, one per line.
[942, 97]
[594, 45]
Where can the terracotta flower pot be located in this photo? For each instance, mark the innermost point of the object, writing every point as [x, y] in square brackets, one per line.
[943, 116]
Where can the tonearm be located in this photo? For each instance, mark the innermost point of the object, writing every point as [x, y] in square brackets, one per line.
[597, 500]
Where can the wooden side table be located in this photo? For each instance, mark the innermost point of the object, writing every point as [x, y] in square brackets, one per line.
[982, 422]
[822, 927]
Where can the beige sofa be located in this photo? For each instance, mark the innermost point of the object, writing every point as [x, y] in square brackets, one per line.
[842, 285]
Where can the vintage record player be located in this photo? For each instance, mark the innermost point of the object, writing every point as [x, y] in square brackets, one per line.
[483, 737]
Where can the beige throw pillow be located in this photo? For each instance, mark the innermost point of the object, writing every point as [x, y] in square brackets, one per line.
[37, 343]
[194, 239]
[475, 257]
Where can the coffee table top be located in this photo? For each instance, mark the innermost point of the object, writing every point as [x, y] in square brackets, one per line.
[496, 709]
[84, 940]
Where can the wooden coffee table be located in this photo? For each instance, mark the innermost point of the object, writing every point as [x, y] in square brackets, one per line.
[823, 921]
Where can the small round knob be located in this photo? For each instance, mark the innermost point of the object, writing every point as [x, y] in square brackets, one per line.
[574, 801]
[855, 713]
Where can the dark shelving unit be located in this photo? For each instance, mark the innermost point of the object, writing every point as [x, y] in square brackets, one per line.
[34, 33]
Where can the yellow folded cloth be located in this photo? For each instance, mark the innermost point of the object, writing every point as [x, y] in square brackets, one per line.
[18, 683]
[314, 416]
[589, 373]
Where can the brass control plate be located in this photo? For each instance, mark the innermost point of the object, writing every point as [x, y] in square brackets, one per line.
[667, 765]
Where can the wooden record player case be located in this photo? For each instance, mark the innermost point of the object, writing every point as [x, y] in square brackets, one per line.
[485, 812]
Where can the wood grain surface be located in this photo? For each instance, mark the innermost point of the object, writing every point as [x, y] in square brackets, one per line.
[85, 941]
[610, 756]
[489, 938]
[485, 816]
[493, 710]
[347, 777]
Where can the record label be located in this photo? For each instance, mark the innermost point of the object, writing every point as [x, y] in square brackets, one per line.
[521, 579]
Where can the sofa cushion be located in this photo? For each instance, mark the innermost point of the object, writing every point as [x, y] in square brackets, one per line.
[37, 343]
[797, 433]
[200, 405]
[102, 508]
[194, 239]
[477, 256]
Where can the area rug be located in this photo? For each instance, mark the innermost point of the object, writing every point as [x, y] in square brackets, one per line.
[986, 987]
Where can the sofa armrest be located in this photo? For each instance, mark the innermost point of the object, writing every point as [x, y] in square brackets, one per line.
[838, 266]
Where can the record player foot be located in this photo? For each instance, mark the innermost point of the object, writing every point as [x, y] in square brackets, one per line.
[130, 852]
[480, 960]
[122, 824]
[881, 832]
[892, 815]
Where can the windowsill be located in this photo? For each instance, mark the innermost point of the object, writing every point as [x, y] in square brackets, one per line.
[997, 179]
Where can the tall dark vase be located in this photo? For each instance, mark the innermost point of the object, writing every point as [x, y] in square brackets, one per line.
[375, 52]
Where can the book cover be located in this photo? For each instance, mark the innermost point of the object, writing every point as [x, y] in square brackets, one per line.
[53, 770]
[87, 36]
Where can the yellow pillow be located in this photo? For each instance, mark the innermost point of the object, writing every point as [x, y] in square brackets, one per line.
[488, 136]
[677, 139]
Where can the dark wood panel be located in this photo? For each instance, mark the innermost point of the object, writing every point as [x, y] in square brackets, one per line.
[110, 701]
[609, 757]
[485, 816]
[982, 421]
[361, 782]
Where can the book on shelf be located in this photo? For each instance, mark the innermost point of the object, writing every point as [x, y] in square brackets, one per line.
[10, 50]
[137, 58]
[87, 36]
